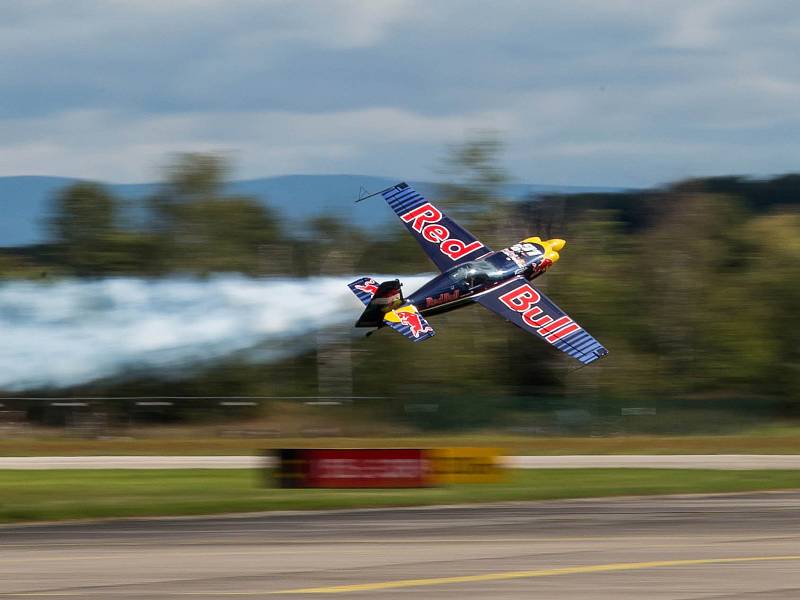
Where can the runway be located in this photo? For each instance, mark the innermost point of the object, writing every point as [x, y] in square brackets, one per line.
[593, 461]
[739, 546]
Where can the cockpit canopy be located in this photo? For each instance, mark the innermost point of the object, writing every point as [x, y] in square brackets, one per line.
[529, 258]
[481, 273]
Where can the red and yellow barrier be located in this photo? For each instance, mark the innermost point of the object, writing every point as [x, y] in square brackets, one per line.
[386, 467]
[465, 465]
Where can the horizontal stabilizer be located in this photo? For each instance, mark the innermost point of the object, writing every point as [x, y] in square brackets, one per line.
[408, 321]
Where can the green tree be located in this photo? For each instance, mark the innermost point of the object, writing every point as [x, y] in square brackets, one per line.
[770, 295]
[475, 194]
[83, 227]
[475, 165]
[689, 263]
[332, 246]
[202, 230]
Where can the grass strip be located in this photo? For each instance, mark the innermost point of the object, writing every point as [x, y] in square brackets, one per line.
[78, 494]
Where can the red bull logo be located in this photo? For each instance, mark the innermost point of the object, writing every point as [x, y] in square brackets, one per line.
[415, 322]
[524, 300]
[545, 264]
[442, 298]
[370, 286]
[425, 220]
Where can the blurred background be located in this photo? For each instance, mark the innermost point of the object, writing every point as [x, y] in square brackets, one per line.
[178, 221]
[178, 229]
[196, 302]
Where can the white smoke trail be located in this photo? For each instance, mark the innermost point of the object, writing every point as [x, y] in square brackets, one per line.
[71, 332]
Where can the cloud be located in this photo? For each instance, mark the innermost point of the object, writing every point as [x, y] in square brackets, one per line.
[103, 89]
[125, 147]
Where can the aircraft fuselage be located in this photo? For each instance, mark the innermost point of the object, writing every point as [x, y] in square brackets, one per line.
[461, 284]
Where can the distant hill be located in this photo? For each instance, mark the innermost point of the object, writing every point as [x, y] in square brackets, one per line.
[25, 200]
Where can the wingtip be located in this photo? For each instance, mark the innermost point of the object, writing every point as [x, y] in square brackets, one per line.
[363, 194]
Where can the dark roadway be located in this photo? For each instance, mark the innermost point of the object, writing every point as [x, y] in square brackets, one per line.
[670, 547]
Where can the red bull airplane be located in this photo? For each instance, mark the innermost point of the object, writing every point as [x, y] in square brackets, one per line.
[470, 272]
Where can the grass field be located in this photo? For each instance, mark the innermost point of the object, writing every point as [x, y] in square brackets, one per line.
[55, 495]
[188, 441]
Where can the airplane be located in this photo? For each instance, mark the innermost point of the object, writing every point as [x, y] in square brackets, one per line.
[470, 272]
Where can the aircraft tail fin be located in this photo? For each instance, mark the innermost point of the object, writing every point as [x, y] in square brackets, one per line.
[379, 299]
[364, 288]
[385, 306]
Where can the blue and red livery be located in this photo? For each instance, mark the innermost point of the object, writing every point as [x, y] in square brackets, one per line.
[471, 272]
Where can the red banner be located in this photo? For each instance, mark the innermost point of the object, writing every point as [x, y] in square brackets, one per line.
[355, 468]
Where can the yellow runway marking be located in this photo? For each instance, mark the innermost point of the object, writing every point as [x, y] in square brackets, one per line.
[125, 549]
[402, 583]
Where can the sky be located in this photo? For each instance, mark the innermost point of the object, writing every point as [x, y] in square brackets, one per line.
[612, 92]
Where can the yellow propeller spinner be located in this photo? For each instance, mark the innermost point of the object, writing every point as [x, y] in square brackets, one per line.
[551, 247]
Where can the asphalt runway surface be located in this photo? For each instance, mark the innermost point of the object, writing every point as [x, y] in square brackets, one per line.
[717, 547]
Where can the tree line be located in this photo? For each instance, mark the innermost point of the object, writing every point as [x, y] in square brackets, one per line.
[693, 287]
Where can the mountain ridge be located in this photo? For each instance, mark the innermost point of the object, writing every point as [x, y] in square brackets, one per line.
[25, 199]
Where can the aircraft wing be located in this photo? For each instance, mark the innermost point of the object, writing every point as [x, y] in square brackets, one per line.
[444, 241]
[529, 309]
